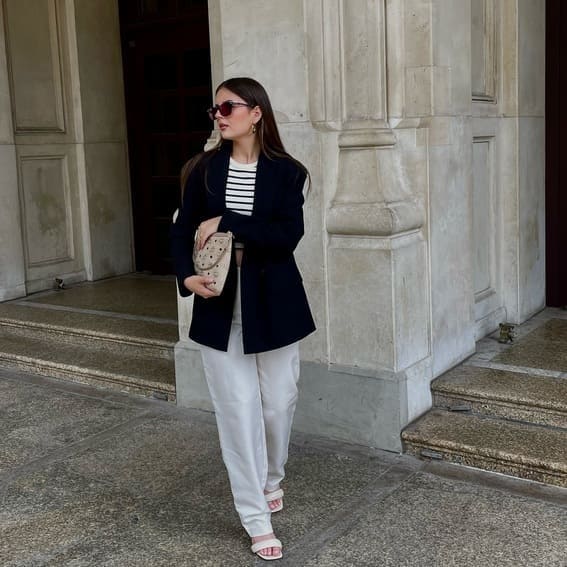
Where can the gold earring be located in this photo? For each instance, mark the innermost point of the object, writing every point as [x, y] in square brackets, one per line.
[253, 128]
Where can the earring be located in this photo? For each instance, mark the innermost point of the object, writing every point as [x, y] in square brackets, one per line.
[253, 128]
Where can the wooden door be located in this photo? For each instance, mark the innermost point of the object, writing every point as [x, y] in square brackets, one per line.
[556, 153]
[167, 72]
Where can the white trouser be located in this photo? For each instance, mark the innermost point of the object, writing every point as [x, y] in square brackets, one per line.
[254, 396]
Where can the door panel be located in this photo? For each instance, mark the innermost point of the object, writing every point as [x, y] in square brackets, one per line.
[39, 60]
[168, 89]
[556, 153]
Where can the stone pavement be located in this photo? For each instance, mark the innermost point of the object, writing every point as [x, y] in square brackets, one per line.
[93, 477]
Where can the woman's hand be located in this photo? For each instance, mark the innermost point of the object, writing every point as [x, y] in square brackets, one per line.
[198, 285]
[206, 229]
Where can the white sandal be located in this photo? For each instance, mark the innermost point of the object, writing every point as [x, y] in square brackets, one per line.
[275, 495]
[259, 545]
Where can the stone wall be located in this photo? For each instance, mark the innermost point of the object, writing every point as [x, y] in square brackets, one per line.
[65, 194]
[422, 124]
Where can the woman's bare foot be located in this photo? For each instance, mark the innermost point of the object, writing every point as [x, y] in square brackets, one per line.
[267, 551]
[274, 504]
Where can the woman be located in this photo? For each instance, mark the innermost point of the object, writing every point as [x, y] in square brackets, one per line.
[248, 185]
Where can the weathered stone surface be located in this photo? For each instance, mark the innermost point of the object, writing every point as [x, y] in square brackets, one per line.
[36, 421]
[129, 295]
[119, 369]
[113, 333]
[139, 482]
[543, 348]
[136, 329]
[512, 395]
[398, 73]
[450, 524]
[519, 449]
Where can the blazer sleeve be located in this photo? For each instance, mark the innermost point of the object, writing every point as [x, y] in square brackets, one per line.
[283, 231]
[183, 229]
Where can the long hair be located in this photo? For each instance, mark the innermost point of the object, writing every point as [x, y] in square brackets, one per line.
[254, 94]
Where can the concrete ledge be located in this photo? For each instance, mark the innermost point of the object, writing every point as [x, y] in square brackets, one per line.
[12, 292]
[499, 393]
[347, 407]
[519, 449]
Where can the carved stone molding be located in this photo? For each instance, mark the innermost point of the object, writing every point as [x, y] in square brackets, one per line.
[483, 50]
[374, 195]
[373, 219]
[46, 210]
[346, 50]
[35, 65]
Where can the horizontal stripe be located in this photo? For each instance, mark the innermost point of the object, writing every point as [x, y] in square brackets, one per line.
[240, 191]
[243, 172]
[238, 184]
[239, 204]
[239, 197]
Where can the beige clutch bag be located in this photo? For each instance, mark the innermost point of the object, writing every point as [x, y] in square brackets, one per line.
[214, 259]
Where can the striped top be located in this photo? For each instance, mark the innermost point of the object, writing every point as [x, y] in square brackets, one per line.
[240, 187]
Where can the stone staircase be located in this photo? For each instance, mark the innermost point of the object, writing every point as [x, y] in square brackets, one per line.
[111, 350]
[512, 421]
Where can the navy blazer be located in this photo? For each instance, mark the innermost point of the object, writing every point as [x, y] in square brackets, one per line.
[275, 311]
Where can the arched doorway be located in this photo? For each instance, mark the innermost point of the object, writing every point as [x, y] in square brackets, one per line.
[167, 72]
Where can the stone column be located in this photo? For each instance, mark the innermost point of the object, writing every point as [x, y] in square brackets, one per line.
[377, 266]
[531, 158]
[102, 142]
[12, 270]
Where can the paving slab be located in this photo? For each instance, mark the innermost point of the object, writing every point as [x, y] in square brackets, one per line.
[36, 421]
[149, 489]
[429, 521]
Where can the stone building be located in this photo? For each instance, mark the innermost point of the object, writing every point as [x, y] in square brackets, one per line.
[421, 121]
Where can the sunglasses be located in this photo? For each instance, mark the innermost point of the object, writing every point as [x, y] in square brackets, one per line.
[225, 108]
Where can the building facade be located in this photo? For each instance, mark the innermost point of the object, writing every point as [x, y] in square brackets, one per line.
[422, 123]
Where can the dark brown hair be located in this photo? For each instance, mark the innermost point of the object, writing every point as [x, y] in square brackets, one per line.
[254, 94]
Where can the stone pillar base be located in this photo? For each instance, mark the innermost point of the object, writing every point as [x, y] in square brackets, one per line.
[335, 402]
[369, 410]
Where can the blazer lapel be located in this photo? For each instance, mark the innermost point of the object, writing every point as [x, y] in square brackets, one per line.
[217, 174]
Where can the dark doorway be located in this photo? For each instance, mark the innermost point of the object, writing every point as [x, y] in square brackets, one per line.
[556, 153]
[167, 72]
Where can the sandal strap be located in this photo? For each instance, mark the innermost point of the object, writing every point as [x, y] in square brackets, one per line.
[275, 495]
[274, 542]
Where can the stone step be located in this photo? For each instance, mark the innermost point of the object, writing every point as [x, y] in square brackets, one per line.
[89, 364]
[511, 395]
[518, 449]
[141, 337]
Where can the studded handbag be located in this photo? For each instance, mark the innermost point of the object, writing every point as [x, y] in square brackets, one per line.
[214, 259]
